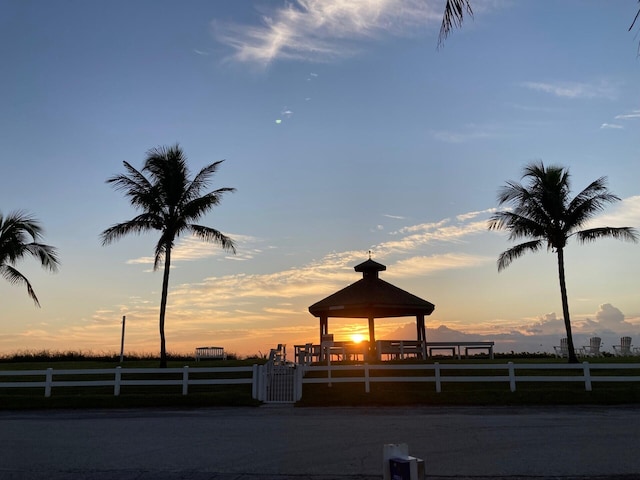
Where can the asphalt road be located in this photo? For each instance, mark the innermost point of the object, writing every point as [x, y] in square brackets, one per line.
[319, 443]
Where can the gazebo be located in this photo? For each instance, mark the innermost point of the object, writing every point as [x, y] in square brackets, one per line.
[371, 298]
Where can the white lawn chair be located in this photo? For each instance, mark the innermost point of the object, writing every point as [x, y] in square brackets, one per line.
[593, 349]
[624, 349]
[562, 351]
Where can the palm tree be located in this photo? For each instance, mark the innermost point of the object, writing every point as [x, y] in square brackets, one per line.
[543, 211]
[19, 235]
[169, 202]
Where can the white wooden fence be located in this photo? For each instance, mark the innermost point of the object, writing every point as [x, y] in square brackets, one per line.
[286, 386]
[51, 378]
[436, 373]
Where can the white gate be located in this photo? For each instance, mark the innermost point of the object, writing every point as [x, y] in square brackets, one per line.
[278, 381]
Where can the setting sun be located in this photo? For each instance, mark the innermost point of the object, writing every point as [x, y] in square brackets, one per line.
[357, 337]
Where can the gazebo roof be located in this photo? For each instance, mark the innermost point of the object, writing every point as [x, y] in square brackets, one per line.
[371, 297]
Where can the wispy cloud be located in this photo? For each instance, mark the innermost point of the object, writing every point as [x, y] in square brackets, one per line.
[601, 89]
[628, 116]
[192, 248]
[468, 216]
[468, 133]
[404, 254]
[611, 126]
[428, 265]
[323, 30]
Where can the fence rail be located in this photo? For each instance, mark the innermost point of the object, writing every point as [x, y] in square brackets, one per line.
[114, 377]
[437, 374]
[262, 384]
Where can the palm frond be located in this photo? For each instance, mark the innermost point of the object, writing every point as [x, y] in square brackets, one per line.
[588, 202]
[508, 256]
[14, 277]
[518, 226]
[454, 11]
[46, 254]
[201, 180]
[140, 224]
[212, 235]
[19, 236]
[197, 207]
[629, 234]
[635, 19]
[138, 188]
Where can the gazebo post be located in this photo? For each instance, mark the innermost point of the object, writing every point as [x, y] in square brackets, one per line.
[372, 338]
[324, 326]
[421, 334]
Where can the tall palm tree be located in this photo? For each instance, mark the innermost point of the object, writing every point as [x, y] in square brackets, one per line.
[169, 202]
[19, 235]
[543, 211]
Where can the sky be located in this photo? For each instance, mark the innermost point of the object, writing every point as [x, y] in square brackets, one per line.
[344, 130]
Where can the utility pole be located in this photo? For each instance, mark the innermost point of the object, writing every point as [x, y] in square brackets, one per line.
[124, 317]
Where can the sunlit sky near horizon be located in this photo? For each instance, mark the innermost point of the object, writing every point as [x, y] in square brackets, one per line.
[344, 129]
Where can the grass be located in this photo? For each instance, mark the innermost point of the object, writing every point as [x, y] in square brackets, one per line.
[339, 394]
[467, 394]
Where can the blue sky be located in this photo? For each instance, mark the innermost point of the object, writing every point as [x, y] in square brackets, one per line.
[344, 129]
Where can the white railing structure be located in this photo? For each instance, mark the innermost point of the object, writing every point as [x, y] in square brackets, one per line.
[284, 383]
[117, 378]
[437, 373]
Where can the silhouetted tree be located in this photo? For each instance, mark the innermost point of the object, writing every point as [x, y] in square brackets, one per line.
[543, 211]
[169, 202]
[19, 235]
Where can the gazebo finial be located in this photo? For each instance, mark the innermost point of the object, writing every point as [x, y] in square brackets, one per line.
[369, 254]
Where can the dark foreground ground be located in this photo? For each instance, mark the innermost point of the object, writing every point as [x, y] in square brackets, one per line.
[285, 443]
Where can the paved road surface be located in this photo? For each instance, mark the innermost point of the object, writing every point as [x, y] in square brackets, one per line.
[319, 443]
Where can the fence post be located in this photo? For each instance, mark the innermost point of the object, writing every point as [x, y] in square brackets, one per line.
[185, 379]
[116, 383]
[254, 382]
[329, 369]
[587, 376]
[262, 383]
[47, 382]
[367, 385]
[299, 374]
[437, 372]
[512, 376]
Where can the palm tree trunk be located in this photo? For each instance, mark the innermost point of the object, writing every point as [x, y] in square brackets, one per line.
[565, 307]
[163, 305]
